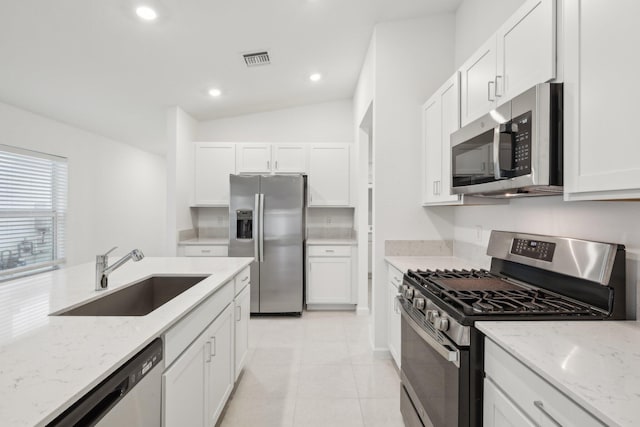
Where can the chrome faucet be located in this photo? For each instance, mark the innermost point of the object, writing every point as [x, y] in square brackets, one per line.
[103, 269]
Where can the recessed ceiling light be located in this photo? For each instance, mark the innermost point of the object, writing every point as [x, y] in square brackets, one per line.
[146, 13]
[215, 92]
[315, 77]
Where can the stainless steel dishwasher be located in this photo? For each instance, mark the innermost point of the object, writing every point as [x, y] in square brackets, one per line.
[131, 396]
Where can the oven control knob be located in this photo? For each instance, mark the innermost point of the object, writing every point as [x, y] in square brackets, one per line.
[441, 324]
[431, 315]
[409, 293]
[419, 303]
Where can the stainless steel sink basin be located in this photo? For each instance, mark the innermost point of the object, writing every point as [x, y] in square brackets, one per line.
[138, 299]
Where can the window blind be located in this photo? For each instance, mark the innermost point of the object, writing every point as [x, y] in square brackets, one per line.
[33, 206]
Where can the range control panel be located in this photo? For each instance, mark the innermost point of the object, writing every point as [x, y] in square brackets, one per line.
[536, 249]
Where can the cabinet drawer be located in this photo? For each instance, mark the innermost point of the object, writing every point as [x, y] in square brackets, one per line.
[535, 396]
[394, 276]
[242, 279]
[214, 250]
[183, 333]
[329, 251]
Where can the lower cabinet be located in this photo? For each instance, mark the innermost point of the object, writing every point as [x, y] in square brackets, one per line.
[330, 275]
[514, 395]
[242, 307]
[393, 313]
[196, 387]
[209, 250]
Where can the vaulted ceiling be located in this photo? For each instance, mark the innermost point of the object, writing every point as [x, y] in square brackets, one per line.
[95, 65]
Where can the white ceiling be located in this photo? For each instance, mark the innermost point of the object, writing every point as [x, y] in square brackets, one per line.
[93, 64]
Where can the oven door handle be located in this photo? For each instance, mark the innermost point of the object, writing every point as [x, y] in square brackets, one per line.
[445, 351]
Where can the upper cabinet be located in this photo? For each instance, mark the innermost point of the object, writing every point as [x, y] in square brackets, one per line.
[440, 118]
[329, 175]
[214, 162]
[289, 158]
[253, 158]
[271, 158]
[600, 92]
[520, 55]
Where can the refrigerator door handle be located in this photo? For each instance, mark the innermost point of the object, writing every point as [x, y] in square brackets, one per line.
[261, 229]
[256, 227]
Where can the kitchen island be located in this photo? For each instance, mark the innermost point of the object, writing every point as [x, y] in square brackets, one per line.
[48, 362]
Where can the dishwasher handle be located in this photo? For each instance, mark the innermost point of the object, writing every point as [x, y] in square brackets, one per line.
[99, 409]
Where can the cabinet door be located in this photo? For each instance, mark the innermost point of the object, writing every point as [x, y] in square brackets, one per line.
[213, 164]
[242, 307]
[329, 280]
[184, 387]
[526, 49]
[393, 323]
[600, 99]
[477, 83]
[500, 411]
[329, 175]
[289, 158]
[432, 131]
[254, 158]
[219, 364]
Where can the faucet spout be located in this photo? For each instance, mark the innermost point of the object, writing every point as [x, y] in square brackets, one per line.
[103, 269]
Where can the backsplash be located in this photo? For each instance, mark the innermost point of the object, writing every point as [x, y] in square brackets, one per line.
[213, 223]
[418, 247]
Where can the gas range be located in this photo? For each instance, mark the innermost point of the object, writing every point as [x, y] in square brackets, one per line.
[532, 277]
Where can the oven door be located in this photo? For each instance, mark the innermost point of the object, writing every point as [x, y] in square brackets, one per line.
[435, 375]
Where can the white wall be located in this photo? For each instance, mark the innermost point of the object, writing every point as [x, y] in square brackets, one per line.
[116, 191]
[615, 222]
[180, 174]
[412, 59]
[326, 122]
[476, 20]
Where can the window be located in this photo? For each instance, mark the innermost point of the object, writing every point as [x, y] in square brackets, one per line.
[33, 206]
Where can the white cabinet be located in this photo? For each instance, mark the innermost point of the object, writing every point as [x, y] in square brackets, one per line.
[329, 275]
[394, 280]
[254, 158]
[441, 117]
[499, 411]
[214, 162]
[600, 99]
[242, 304]
[271, 158]
[289, 158]
[520, 55]
[206, 250]
[196, 387]
[219, 365]
[515, 395]
[329, 175]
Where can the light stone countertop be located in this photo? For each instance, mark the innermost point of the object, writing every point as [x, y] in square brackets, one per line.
[204, 241]
[404, 263]
[48, 362]
[595, 363]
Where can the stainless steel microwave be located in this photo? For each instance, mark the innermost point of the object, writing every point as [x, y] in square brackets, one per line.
[515, 150]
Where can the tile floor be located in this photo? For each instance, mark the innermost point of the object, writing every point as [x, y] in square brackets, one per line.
[317, 370]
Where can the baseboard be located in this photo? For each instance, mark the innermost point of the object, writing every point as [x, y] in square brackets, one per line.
[331, 307]
[382, 353]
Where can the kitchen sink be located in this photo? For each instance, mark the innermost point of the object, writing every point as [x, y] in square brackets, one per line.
[137, 299]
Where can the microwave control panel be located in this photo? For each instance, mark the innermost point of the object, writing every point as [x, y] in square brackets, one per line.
[536, 249]
[521, 139]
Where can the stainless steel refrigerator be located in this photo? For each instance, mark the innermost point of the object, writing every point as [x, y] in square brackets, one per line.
[266, 221]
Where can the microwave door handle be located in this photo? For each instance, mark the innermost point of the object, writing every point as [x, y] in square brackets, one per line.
[496, 153]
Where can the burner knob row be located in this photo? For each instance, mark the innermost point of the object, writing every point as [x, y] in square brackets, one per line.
[440, 323]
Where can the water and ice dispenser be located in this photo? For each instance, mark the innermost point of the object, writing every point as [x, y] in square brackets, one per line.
[244, 224]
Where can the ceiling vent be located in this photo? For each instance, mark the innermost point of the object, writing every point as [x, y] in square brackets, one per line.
[257, 58]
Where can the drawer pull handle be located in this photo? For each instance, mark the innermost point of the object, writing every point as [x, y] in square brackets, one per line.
[239, 315]
[395, 278]
[538, 404]
[329, 251]
[208, 351]
[206, 251]
[245, 279]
